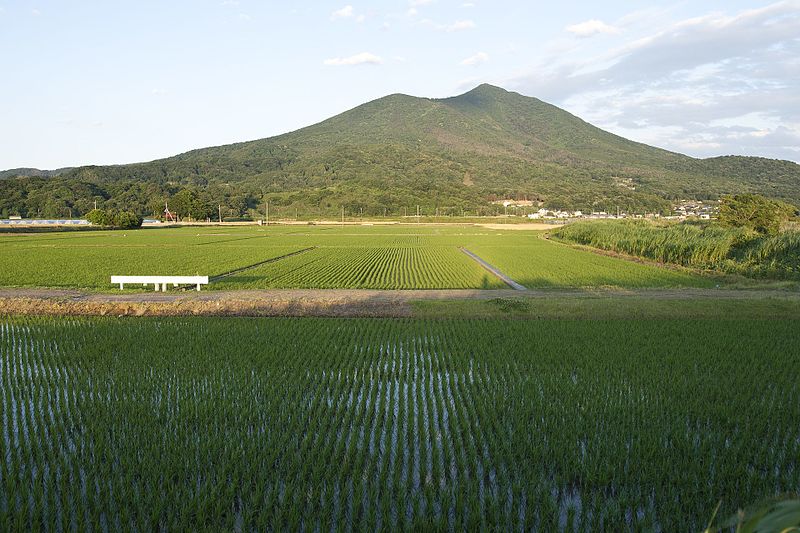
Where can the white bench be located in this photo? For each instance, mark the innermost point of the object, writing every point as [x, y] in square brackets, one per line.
[161, 280]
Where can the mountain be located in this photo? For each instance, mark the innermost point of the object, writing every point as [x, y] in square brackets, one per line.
[452, 153]
[31, 172]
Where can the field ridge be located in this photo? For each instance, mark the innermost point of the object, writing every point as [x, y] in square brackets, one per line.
[260, 263]
[494, 270]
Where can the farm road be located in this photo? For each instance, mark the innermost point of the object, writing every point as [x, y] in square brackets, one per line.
[317, 302]
[495, 271]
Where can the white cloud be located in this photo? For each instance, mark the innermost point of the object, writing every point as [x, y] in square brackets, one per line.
[460, 25]
[348, 12]
[229, 3]
[417, 3]
[468, 4]
[477, 59]
[35, 12]
[364, 58]
[343, 13]
[591, 27]
[716, 84]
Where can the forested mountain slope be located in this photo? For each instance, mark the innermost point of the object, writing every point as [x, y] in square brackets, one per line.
[400, 151]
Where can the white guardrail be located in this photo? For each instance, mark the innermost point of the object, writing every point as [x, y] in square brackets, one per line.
[160, 280]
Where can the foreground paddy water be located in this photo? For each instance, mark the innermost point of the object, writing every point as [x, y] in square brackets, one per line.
[322, 424]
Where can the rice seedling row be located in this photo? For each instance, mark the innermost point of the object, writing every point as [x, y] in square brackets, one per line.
[372, 268]
[539, 263]
[316, 424]
[345, 257]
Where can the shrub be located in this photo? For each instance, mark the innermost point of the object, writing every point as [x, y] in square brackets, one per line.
[127, 220]
[117, 219]
[754, 212]
[99, 217]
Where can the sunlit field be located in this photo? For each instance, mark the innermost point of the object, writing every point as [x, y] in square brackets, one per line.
[373, 257]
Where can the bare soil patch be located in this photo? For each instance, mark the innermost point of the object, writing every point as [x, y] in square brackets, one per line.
[524, 226]
[311, 302]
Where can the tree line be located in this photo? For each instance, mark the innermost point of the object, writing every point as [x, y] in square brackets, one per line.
[38, 197]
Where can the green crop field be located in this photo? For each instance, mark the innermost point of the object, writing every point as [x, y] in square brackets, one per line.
[325, 424]
[411, 267]
[88, 260]
[541, 263]
[388, 257]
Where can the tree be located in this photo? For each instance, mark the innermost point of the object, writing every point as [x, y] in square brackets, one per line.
[755, 212]
[99, 217]
[192, 203]
[127, 220]
[117, 219]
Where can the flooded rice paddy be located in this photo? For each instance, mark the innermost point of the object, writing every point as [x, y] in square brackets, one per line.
[324, 424]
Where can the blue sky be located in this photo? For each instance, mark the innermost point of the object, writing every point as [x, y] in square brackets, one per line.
[96, 82]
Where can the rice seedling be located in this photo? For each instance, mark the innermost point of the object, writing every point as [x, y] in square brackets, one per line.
[240, 424]
[338, 257]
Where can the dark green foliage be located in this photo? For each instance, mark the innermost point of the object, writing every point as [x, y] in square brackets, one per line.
[100, 217]
[511, 305]
[127, 220]
[777, 514]
[14, 172]
[116, 219]
[754, 212]
[397, 152]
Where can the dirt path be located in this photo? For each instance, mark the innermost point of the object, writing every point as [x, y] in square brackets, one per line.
[260, 263]
[315, 302]
[496, 272]
[523, 226]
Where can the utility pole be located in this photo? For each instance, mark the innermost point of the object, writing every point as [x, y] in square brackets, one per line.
[266, 212]
[219, 211]
[342, 216]
[95, 203]
[417, 213]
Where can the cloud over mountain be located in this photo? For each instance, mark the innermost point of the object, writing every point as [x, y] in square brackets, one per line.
[684, 85]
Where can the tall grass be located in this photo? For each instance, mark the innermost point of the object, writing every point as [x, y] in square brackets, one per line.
[777, 256]
[698, 245]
